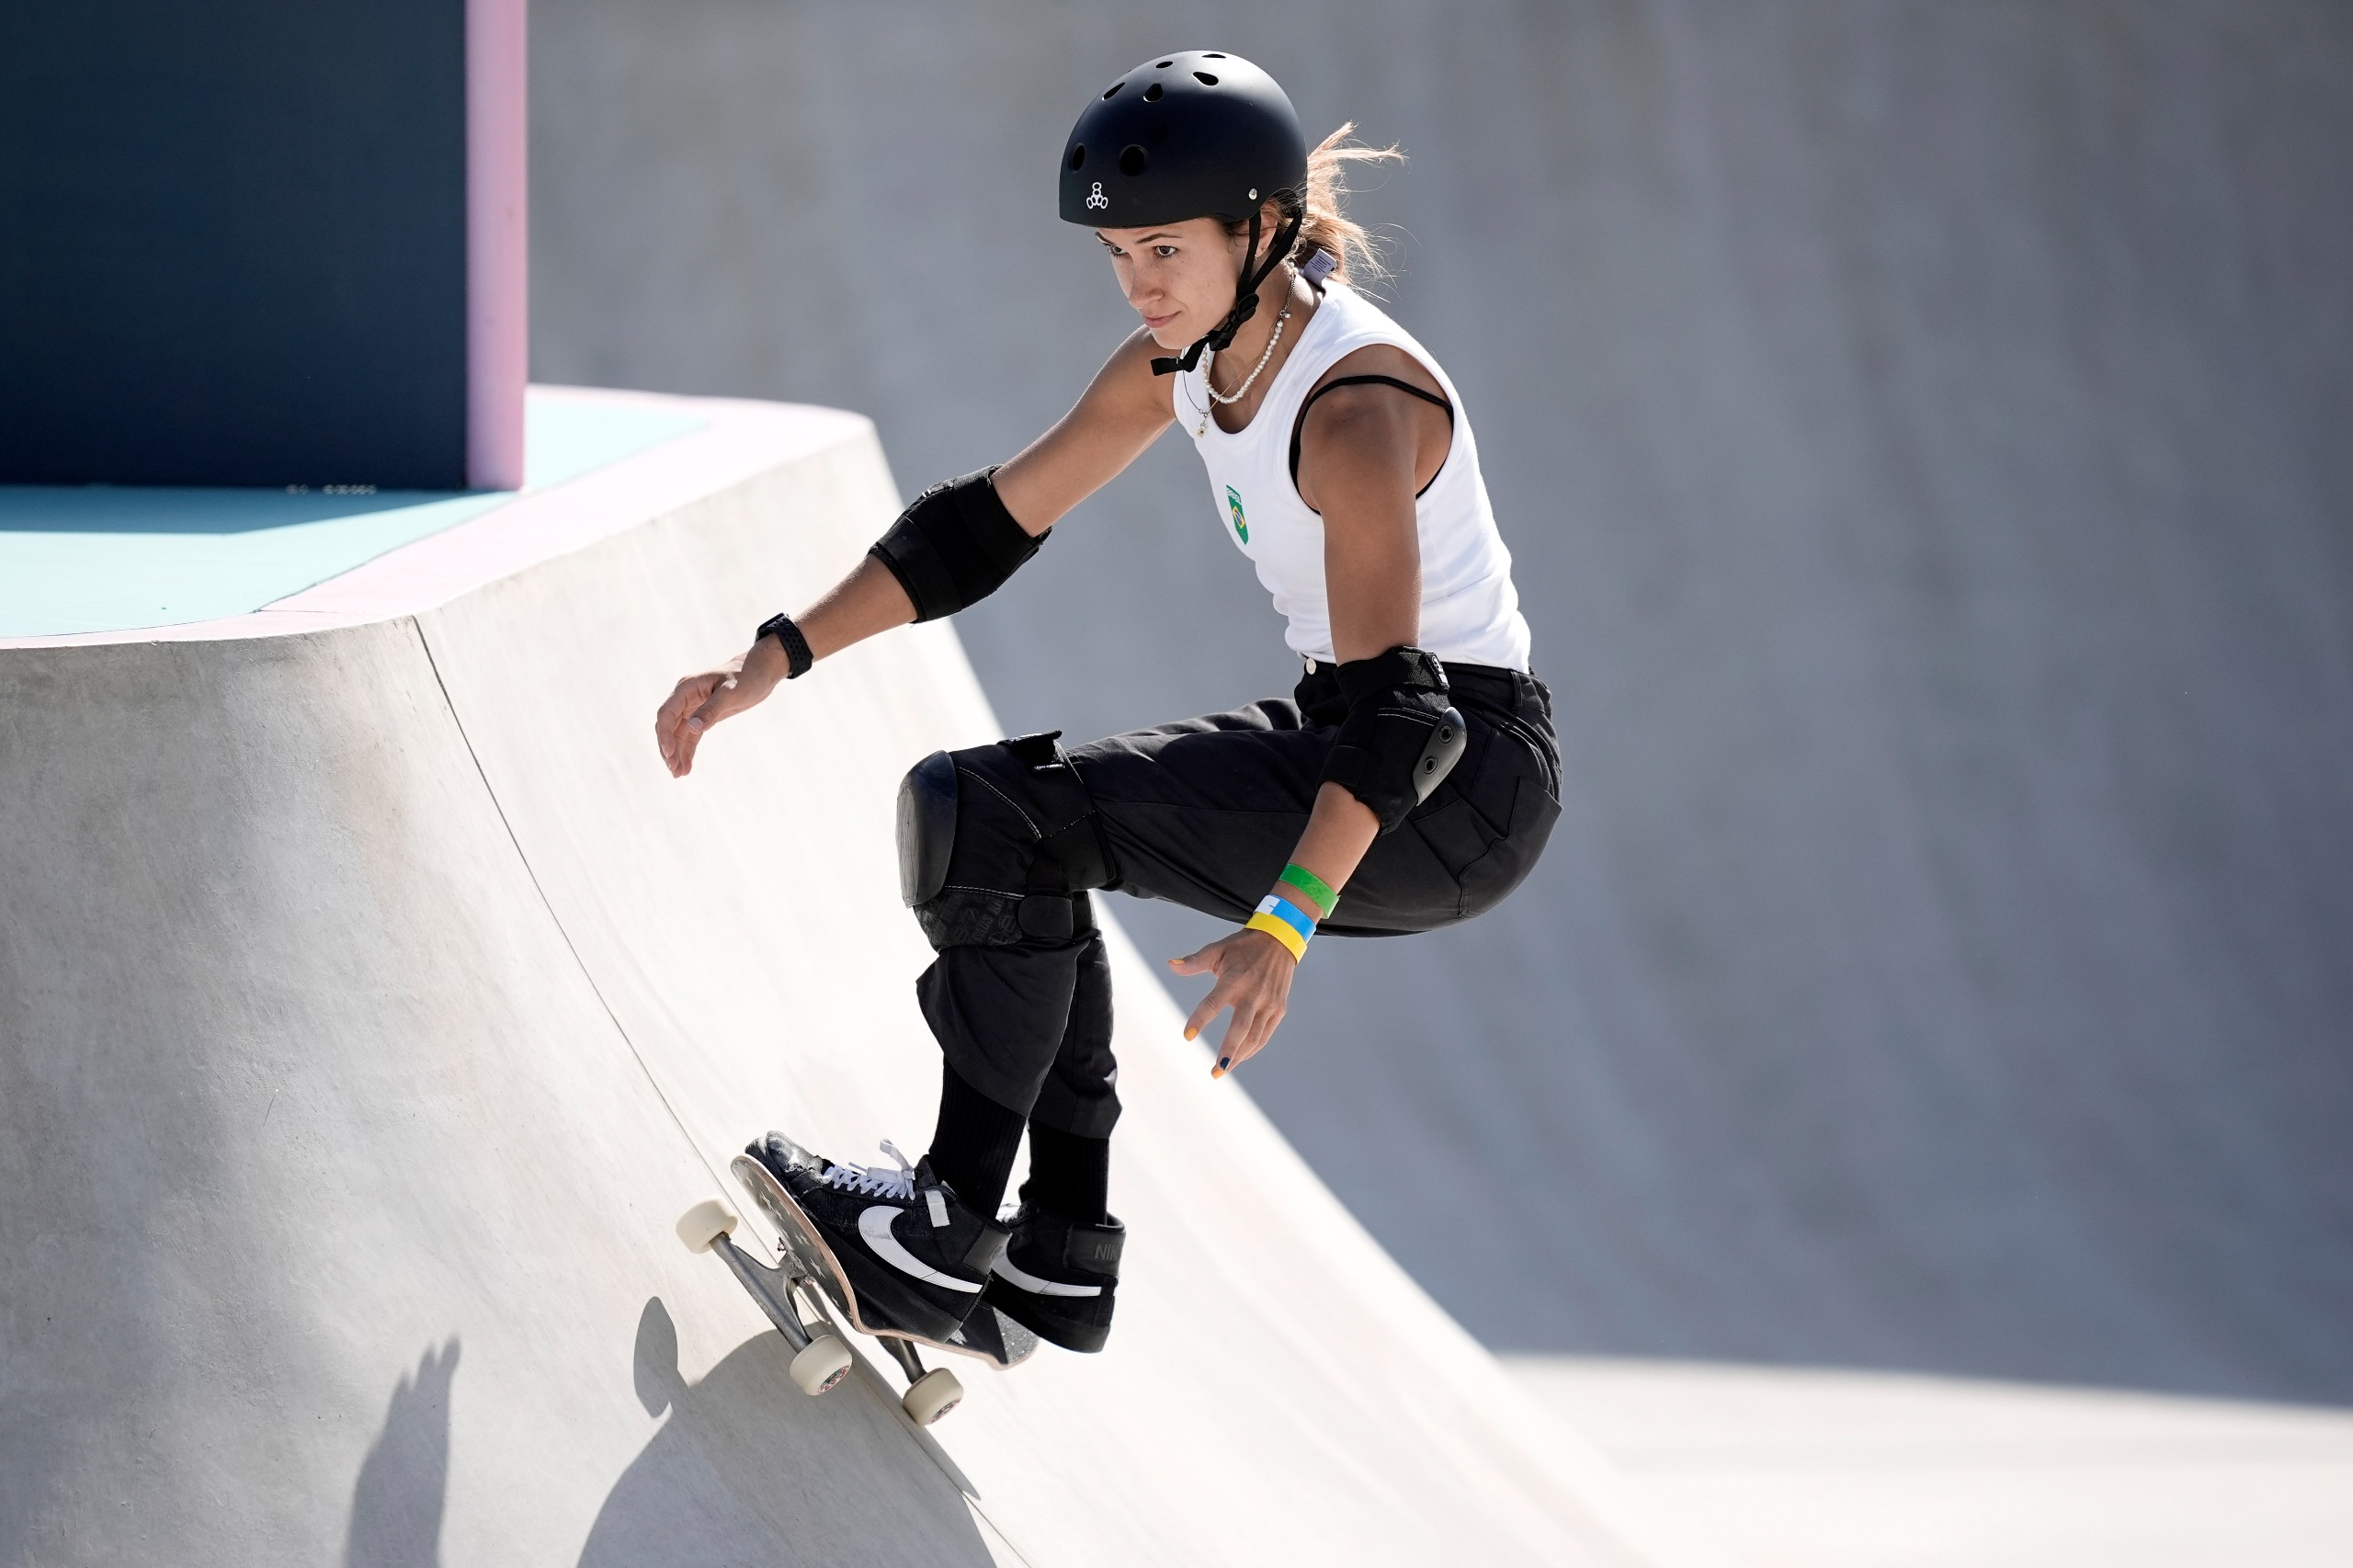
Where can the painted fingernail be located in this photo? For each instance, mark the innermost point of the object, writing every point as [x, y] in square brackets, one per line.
[1223, 1063]
[1192, 1034]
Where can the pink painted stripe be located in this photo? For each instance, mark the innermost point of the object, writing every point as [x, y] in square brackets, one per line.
[498, 348]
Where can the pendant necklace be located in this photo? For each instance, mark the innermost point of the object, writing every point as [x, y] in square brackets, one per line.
[1217, 397]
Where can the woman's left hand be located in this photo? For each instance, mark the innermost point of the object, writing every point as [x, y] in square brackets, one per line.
[1254, 974]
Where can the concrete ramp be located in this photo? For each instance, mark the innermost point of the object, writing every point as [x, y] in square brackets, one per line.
[371, 1002]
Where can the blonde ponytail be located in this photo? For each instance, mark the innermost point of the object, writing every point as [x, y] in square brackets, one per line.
[1355, 256]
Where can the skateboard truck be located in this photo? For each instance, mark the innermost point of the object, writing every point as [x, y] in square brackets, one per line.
[793, 1303]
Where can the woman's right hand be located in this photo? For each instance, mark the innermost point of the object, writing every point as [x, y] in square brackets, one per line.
[698, 702]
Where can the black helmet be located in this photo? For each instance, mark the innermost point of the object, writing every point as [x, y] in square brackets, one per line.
[1190, 135]
[1198, 134]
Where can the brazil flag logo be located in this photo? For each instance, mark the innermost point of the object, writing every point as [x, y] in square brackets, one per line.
[1241, 523]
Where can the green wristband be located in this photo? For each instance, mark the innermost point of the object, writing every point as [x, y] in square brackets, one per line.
[1313, 887]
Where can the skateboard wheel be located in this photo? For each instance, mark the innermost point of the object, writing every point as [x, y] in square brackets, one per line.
[934, 1395]
[706, 1223]
[822, 1362]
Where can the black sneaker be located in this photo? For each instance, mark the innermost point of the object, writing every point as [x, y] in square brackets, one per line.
[914, 1256]
[1059, 1278]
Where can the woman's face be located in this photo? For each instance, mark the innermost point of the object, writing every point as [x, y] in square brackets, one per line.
[1180, 276]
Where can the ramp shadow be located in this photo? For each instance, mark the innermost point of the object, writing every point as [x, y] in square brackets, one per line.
[749, 1469]
[404, 1480]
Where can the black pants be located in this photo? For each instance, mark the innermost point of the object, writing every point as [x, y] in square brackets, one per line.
[1204, 812]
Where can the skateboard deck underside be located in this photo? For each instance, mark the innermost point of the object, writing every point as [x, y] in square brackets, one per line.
[986, 1336]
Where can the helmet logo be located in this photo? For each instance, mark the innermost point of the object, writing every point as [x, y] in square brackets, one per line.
[1098, 201]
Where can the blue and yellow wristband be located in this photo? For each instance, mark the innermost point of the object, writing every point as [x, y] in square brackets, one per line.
[1286, 923]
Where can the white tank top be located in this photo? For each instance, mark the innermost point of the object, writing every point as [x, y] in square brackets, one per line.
[1470, 610]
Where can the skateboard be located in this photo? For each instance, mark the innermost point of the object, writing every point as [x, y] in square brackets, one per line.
[797, 1290]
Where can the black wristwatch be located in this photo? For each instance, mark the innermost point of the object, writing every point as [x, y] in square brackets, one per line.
[797, 656]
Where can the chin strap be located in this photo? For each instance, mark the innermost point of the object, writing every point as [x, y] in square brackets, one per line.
[1254, 273]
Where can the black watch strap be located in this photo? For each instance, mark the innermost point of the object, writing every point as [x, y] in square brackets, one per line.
[797, 658]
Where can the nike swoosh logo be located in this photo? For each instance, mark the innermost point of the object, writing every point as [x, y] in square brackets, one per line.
[1005, 1271]
[874, 1226]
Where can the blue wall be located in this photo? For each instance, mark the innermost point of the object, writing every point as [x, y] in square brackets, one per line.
[233, 242]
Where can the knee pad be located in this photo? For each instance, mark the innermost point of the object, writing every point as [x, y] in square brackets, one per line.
[927, 827]
[1038, 893]
[1071, 856]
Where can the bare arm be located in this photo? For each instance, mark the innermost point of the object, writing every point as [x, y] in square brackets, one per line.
[1121, 413]
[1365, 453]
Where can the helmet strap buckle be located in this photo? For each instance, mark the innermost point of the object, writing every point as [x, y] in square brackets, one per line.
[1218, 338]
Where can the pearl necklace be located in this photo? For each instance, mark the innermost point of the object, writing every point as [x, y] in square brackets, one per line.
[1217, 397]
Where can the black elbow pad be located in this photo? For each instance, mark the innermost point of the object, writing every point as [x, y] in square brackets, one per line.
[1403, 734]
[955, 546]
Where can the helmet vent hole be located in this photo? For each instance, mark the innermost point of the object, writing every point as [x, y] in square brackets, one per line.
[1213, 57]
[1078, 156]
[1132, 160]
[1164, 65]
[1205, 79]
[1112, 91]
[1151, 94]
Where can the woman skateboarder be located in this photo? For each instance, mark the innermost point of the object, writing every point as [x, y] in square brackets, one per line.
[1409, 782]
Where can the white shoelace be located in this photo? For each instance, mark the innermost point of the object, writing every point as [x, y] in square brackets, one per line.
[874, 1180]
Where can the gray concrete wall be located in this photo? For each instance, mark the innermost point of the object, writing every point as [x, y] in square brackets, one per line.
[1921, 429]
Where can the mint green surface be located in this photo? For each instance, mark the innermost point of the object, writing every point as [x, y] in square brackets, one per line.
[117, 558]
